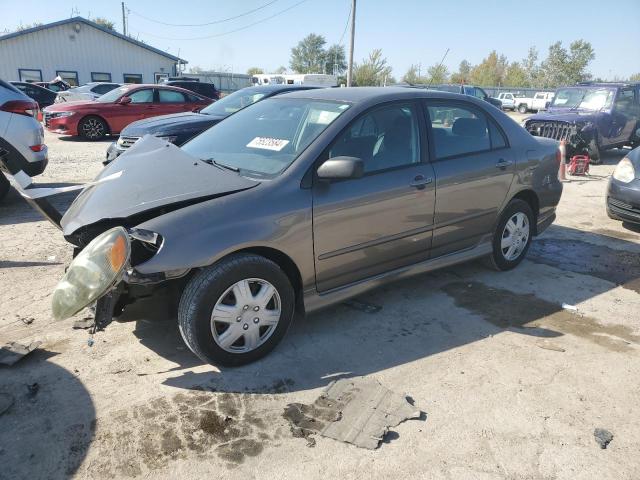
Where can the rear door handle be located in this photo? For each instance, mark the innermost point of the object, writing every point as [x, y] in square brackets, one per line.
[502, 163]
[420, 182]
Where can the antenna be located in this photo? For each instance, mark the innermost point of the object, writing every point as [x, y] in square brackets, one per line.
[439, 65]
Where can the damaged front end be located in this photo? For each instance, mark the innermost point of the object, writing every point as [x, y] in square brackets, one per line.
[577, 134]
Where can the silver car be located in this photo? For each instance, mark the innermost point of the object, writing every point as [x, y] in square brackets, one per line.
[301, 201]
[22, 145]
[86, 92]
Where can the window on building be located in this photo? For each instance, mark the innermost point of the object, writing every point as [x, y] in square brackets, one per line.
[68, 76]
[29, 75]
[100, 77]
[132, 78]
[157, 77]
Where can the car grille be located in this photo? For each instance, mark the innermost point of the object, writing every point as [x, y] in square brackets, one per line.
[621, 208]
[126, 142]
[554, 130]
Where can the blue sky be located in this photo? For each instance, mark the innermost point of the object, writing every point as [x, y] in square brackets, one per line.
[408, 31]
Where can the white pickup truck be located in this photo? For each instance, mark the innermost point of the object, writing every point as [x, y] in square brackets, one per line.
[535, 104]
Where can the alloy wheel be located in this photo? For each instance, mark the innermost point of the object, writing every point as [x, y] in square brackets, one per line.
[93, 128]
[515, 236]
[246, 315]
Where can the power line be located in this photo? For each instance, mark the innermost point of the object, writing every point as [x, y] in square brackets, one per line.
[346, 25]
[230, 31]
[249, 12]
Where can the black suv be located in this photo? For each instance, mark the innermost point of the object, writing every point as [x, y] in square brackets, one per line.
[591, 117]
[207, 89]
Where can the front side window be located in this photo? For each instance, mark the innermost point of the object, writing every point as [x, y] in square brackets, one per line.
[458, 130]
[28, 75]
[141, 96]
[625, 101]
[170, 96]
[132, 78]
[264, 139]
[70, 77]
[385, 138]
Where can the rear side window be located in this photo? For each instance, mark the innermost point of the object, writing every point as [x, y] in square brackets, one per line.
[170, 96]
[102, 89]
[458, 130]
[497, 137]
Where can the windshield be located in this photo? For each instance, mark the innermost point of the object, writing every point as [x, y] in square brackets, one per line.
[113, 95]
[236, 101]
[588, 99]
[266, 138]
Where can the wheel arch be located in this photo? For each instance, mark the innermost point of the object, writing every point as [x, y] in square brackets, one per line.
[532, 199]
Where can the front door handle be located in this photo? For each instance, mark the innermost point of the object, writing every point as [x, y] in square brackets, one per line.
[420, 181]
[502, 163]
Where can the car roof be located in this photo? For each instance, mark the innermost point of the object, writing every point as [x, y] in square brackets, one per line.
[371, 94]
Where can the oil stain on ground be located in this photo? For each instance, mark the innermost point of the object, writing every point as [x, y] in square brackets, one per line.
[200, 424]
[621, 267]
[536, 316]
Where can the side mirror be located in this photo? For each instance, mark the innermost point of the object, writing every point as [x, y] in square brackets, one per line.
[125, 100]
[341, 168]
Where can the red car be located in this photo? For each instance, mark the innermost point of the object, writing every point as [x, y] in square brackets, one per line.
[114, 110]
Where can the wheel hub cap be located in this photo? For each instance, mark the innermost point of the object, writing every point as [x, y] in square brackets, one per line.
[515, 236]
[245, 315]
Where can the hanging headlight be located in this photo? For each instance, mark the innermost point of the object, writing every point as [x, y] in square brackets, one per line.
[92, 273]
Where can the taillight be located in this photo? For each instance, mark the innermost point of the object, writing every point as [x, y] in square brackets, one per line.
[21, 107]
[37, 148]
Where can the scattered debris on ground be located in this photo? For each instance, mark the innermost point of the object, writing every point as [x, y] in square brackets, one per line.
[547, 345]
[14, 351]
[6, 401]
[84, 323]
[603, 437]
[357, 410]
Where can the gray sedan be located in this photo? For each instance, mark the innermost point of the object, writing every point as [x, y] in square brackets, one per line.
[301, 201]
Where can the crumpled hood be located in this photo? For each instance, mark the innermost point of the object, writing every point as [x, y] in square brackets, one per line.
[167, 124]
[565, 115]
[153, 174]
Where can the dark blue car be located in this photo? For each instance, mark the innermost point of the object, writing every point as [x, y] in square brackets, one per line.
[591, 117]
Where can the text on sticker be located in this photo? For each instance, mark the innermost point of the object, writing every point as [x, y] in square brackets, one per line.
[268, 143]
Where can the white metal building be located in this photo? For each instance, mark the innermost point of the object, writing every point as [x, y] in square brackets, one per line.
[81, 51]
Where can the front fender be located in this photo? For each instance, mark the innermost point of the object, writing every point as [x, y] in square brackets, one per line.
[199, 235]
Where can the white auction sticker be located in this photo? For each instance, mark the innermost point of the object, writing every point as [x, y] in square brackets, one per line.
[268, 143]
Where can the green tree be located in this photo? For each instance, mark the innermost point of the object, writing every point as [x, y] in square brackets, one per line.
[515, 76]
[309, 56]
[280, 70]
[412, 76]
[103, 22]
[490, 71]
[437, 73]
[580, 55]
[463, 74]
[372, 71]
[531, 68]
[335, 60]
[635, 77]
[255, 71]
[562, 67]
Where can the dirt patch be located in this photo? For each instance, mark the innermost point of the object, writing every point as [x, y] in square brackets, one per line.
[617, 234]
[618, 266]
[536, 316]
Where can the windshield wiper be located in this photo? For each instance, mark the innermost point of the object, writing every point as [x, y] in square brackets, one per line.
[211, 161]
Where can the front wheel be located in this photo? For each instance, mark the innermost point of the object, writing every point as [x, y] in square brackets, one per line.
[236, 311]
[522, 108]
[92, 128]
[512, 237]
[594, 152]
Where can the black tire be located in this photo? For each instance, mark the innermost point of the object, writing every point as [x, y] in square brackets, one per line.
[92, 128]
[4, 186]
[208, 286]
[497, 259]
[594, 152]
[522, 108]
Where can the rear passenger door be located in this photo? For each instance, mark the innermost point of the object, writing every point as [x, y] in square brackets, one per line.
[171, 101]
[474, 167]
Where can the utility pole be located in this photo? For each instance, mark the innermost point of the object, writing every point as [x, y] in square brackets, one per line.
[124, 22]
[353, 34]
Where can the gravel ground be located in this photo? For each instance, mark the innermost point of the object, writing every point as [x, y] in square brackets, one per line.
[513, 386]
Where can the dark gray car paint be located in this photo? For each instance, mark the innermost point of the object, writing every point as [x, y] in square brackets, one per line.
[284, 214]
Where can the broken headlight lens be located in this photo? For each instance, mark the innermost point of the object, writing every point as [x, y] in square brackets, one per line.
[92, 273]
[624, 171]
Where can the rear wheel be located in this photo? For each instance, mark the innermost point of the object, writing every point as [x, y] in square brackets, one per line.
[512, 237]
[4, 186]
[594, 152]
[92, 128]
[236, 311]
[522, 108]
